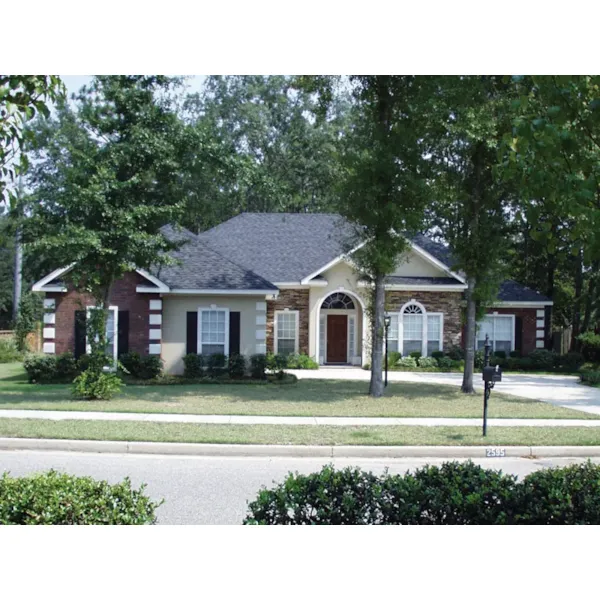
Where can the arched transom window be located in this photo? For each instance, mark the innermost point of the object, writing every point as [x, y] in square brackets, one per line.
[413, 329]
[338, 300]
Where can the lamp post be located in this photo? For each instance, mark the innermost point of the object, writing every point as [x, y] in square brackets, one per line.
[386, 321]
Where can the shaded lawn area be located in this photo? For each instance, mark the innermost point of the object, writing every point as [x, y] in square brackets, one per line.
[305, 398]
[299, 434]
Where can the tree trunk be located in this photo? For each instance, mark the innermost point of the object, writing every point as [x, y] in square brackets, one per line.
[470, 331]
[577, 303]
[589, 300]
[376, 386]
[18, 275]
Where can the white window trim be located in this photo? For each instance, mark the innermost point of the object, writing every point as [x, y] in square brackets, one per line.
[441, 315]
[401, 327]
[209, 309]
[493, 340]
[297, 328]
[88, 347]
[351, 349]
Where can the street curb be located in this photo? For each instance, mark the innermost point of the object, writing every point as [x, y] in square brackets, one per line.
[254, 450]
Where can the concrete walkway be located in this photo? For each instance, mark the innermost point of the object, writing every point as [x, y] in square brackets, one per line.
[64, 415]
[560, 390]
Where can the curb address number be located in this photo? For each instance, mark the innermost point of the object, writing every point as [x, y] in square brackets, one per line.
[495, 452]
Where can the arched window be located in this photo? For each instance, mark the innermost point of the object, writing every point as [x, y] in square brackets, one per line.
[338, 300]
[412, 328]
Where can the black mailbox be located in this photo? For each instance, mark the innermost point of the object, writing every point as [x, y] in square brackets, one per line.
[492, 374]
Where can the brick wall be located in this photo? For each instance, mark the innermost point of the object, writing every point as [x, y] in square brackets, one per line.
[294, 300]
[528, 317]
[441, 302]
[123, 295]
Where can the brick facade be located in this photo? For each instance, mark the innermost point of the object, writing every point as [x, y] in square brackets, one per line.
[294, 300]
[528, 320]
[440, 302]
[123, 295]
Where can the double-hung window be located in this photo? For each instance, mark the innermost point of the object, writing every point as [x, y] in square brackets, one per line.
[501, 330]
[412, 330]
[434, 332]
[112, 322]
[286, 332]
[392, 336]
[214, 330]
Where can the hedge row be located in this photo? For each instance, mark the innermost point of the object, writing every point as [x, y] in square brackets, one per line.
[59, 499]
[452, 494]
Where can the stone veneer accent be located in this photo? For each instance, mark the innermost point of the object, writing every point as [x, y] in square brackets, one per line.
[441, 302]
[294, 300]
[123, 295]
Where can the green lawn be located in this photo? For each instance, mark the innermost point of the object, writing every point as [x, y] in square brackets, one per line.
[305, 398]
[300, 434]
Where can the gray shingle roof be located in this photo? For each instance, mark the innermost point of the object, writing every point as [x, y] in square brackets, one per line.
[512, 291]
[281, 247]
[201, 267]
[437, 250]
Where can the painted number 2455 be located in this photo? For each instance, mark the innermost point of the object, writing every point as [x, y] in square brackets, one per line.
[495, 452]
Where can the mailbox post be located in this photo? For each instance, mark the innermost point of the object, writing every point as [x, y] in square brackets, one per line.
[490, 376]
[386, 323]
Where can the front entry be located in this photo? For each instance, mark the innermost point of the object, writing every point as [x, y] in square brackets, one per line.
[337, 338]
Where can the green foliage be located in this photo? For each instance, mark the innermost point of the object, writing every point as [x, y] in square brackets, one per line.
[9, 351]
[394, 357]
[438, 354]
[500, 354]
[66, 367]
[456, 353]
[515, 354]
[236, 366]
[278, 364]
[427, 362]
[141, 367]
[258, 366]
[216, 364]
[590, 346]
[479, 359]
[407, 362]
[48, 368]
[571, 362]
[301, 361]
[30, 313]
[543, 360]
[445, 362]
[590, 377]
[193, 366]
[94, 385]
[54, 498]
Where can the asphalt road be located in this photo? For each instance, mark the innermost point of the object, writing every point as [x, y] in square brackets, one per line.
[207, 490]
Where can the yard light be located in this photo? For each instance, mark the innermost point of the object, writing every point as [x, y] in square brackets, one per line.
[386, 322]
[489, 375]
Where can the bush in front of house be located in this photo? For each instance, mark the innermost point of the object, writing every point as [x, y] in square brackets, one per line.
[236, 366]
[456, 353]
[93, 384]
[54, 498]
[571, 362]
[193, 366]
[301, 361]
[258, 366]
[543, 360]
[428, 362]
[590, 377]
[416, 354]
[141, 367]
[50, 368]
[437, 354]
[394, 357]
[407, 362]
[500, 354]
[278, 363]
[452, 494]
[9, 351]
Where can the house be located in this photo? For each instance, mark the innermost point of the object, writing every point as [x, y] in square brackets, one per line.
[273, 282]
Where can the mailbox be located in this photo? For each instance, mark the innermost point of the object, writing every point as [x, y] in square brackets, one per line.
[492, 374]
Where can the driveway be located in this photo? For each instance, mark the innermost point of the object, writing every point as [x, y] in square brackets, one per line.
[561, 390]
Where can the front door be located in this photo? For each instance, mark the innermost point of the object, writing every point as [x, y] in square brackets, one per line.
[337, 338]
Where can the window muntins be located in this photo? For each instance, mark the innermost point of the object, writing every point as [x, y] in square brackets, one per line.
[338, 300]
[112, 323]
[435, 332]
[213, 331]
[501, 331]
[414, 330]
[286, 332]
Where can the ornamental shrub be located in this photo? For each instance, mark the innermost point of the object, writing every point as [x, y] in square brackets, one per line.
[479, 359]
[236, 366]
[500, 354]
[590, 377]
[590, 346]
[416, 355]
[59, 499]
[514, 354]
[408, 362]
[30, 313]
[9, 351]
[193, 366]
[66, 367]
[437, 354]
[279, 364]
[543, 360]
[445, 362]
[393, 358]
[142, 367]
[216, 365]
[456, 353]
[301, 361]
[96, 385]
[427, 362]
[41, 368]
[571, 362]
[258, 366]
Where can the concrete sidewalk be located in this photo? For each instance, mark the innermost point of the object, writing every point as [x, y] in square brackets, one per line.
[63, 415]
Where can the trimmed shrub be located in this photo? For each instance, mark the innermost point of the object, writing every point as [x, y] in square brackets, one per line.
[278, 365]
[501, 362]
[416, 355]
[66, 367]
[543, 360]
[571, 362]
[258, 366]
[407, 362]
[216, 365]
[515, 354]
[445, 362]
[394, 357]
[193, 366]
[560, 496]
[96, 385]
[427, 362]
[9, 351]
[456, 353]
[40, 368]
[437, 354]
[301, 361]
[590, 377]
[59, 499]
[500, 354]
[479, 359]
[590, 346]
[84, 362]
[236, 366]
[142, 367]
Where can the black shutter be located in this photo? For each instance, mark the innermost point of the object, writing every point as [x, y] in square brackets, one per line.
[191, 344]
[234, 333]
[123, 333]
[80, 333]
[519, 334]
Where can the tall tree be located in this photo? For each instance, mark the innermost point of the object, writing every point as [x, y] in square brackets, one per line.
[467, 126]
[107, 176]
